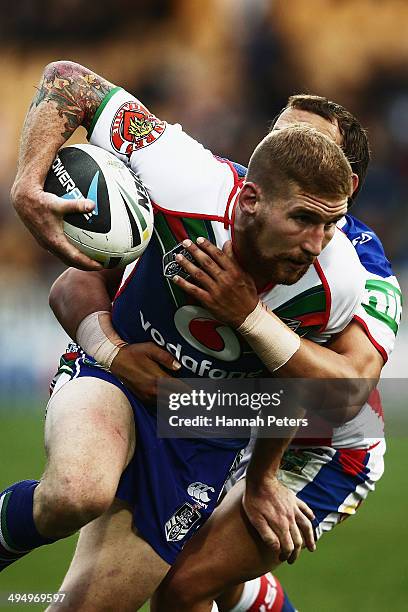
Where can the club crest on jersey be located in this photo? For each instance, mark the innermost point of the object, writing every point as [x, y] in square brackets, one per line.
[199, 328]
[134, 127]
[181, 522]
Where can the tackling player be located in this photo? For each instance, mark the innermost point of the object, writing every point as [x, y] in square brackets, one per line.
[318, 474]
[141, 374]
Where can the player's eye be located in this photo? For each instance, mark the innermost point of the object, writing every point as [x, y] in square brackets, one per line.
[302, 219]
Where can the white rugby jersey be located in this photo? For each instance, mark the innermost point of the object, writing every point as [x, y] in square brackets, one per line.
[194, 193]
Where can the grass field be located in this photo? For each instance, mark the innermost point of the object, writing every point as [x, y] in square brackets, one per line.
[361, 566]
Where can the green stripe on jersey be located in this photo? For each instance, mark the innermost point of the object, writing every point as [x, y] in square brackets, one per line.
[100, 109]
[167, 241]
[312, 300]
[166, 235]
[211, 235]
[195, 228]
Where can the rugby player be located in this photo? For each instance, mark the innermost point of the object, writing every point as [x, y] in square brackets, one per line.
[76, 500]
[317, 476]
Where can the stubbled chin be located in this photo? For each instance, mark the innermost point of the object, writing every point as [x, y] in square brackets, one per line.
[290, 277]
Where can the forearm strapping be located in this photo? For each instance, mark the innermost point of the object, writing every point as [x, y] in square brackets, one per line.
[98, 338]
[271, 339]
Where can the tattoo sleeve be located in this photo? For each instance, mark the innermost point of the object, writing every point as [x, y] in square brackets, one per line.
[68, 96]
[75, 91]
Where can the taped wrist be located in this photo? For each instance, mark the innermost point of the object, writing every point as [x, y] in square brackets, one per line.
[271, 339]
[96, 335]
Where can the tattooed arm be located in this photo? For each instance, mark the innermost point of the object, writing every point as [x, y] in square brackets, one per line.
[67, 97]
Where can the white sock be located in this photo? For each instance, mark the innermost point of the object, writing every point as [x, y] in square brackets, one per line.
[214, 607]
[249, 594]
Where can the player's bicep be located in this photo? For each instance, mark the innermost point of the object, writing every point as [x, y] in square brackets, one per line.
[77, 288]
[76, 91]
[107, 280]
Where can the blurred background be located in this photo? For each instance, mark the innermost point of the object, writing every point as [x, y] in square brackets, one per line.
[224, 69]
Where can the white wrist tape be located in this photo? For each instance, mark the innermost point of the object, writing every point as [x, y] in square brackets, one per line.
[95, 334]
[271, 339]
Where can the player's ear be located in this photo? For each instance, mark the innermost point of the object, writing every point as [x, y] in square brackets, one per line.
[249, 197]
[355, 180]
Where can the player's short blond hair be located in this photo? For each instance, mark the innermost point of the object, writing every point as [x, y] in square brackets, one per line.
[300, 155]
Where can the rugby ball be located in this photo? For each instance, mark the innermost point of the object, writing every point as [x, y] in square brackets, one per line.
[119, 228]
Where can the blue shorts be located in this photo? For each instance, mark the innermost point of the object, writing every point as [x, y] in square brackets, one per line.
[172, 485]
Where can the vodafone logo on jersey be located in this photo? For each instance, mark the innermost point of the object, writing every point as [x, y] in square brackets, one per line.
[209, 336]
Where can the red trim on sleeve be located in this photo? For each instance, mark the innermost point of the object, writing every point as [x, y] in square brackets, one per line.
[378, 346]
[226, 220]
[191, 215]
[327, 291]
[222, 160]
[238, 182]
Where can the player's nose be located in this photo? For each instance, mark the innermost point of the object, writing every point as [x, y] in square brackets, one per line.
[315, 240]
